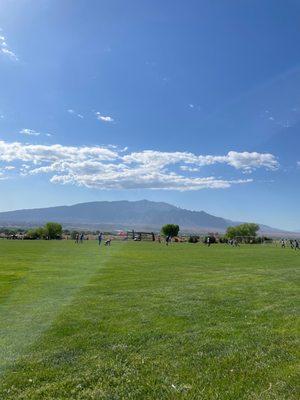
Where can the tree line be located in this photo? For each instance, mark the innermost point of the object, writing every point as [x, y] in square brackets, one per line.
[54, 230]
[50, 231]
[248, 231]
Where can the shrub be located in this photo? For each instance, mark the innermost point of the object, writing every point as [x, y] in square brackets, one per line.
[193, 239]
[37, 233]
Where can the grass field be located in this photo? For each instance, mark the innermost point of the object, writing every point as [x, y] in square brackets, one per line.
[146, 321]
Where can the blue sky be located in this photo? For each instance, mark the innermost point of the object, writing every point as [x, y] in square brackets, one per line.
[196, 103]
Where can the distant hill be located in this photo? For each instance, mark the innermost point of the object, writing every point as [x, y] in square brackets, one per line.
[143, 215]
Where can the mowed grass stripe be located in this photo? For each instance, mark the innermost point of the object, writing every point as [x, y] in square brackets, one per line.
[46, 277]
[184, 322]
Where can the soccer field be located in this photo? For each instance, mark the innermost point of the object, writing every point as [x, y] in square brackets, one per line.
[147, 321]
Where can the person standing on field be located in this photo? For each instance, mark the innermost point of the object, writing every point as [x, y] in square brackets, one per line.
[100, 238]
[81, 238]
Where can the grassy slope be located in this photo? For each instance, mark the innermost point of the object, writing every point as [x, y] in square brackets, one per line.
[143, 321]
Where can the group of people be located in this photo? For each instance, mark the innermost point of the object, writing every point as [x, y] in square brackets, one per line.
[233, 242]
[100, 238]
[79, 238]
[294, 244]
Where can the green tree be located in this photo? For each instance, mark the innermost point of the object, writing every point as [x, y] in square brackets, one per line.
[170, 230]
[53, 230]
[36, 233]
[242, 230]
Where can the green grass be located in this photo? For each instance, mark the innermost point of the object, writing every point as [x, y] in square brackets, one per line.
[146, 321]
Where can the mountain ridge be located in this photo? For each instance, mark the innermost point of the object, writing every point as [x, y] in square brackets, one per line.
[141, 214]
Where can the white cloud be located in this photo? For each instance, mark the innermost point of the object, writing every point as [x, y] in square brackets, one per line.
[71, 111]
[104, 118]
[51, 153]
[29, 132]
[244, 161]
[250, 161]
[190, 169]
[32, 132]
[113, 168]
[5, 50]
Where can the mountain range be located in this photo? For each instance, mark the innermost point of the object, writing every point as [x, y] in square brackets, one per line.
[140, 215]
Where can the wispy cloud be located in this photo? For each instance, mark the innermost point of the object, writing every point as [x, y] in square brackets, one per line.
[31, 132]
[194, 107]
[276, 120]
[71, 111]
[113, 168]
[104, 118]
[244, 161]
[5, 50]
[190, 169]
